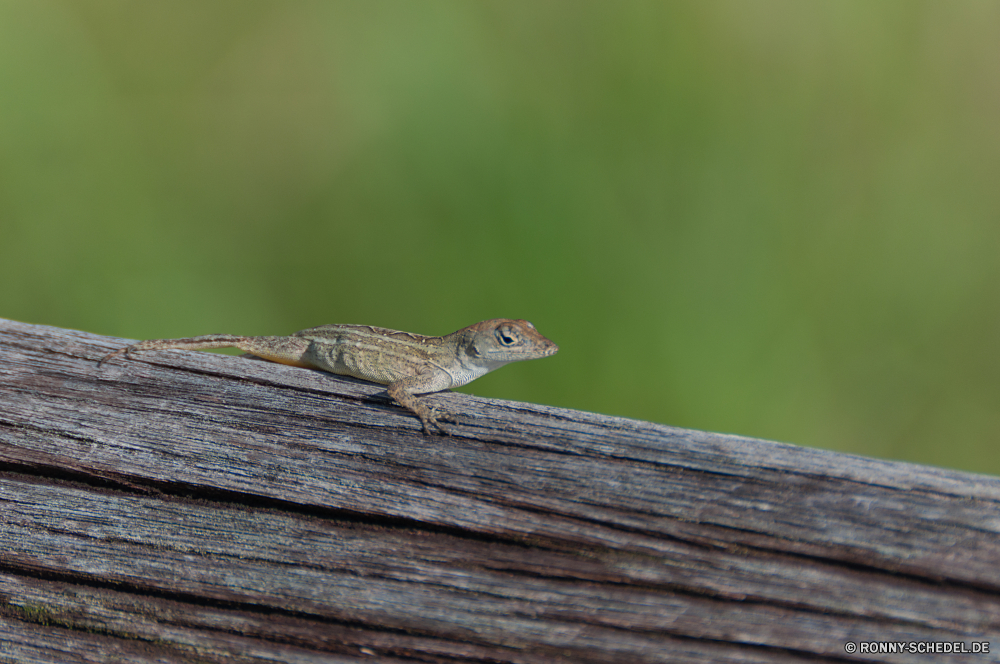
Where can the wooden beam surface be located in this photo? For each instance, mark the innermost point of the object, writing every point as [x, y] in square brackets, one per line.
[192, 507]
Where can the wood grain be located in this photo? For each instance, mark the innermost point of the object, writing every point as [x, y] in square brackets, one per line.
[192, 507]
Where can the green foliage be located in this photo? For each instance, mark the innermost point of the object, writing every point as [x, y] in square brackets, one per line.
[772, 218]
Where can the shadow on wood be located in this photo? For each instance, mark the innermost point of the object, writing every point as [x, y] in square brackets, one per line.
[191, 507]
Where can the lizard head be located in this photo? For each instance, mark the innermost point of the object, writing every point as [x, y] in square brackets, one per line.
[496, 342]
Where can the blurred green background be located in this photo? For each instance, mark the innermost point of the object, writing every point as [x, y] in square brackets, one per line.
[773, 218]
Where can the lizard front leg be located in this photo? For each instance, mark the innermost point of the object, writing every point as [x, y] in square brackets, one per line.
[404, 393]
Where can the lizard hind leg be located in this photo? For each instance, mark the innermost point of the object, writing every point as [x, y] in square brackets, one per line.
[283, 350]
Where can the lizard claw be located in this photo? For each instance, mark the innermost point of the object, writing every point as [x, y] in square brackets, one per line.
[433, 417]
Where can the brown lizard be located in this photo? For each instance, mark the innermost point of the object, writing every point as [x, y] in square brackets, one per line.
[409, 364]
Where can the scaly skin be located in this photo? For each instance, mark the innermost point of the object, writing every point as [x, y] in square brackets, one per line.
[408, 364]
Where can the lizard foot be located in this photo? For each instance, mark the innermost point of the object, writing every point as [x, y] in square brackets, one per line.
[432, 417]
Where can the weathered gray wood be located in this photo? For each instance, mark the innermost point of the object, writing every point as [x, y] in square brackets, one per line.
[183, 507]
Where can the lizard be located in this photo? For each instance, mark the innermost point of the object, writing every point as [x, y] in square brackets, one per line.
[408, 364]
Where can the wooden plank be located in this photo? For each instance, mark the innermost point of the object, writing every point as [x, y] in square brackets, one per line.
[197, 507]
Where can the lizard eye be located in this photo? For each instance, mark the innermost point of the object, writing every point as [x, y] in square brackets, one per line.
[507, 336]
